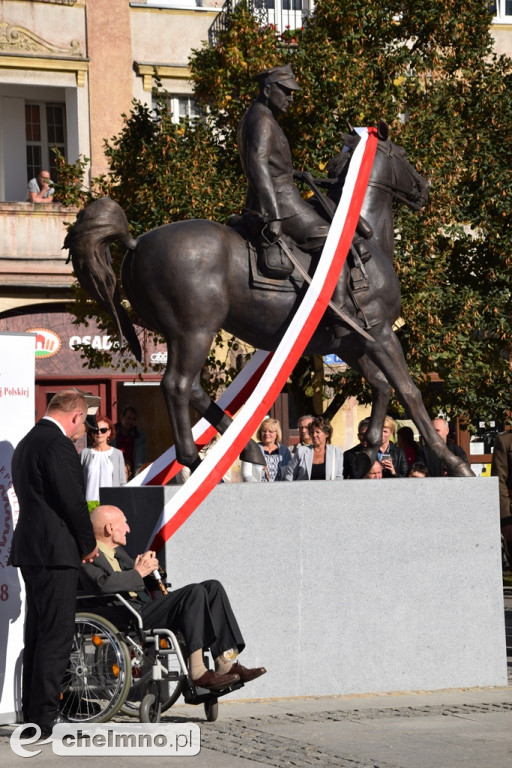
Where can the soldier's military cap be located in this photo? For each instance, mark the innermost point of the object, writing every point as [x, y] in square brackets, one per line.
[282, 75]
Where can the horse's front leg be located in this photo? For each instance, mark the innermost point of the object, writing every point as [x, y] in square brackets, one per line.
[215, 416]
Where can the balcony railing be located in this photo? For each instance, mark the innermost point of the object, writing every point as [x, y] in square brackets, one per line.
[31, 238]
[283, 14]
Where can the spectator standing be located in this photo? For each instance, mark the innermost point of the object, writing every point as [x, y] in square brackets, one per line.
[53, 537]
[501, 468]
[348, 456]
[392, 458]
[304, 436]
[276, 456]
[130, 439]
[39, 189]
[103, 466]
[405, 441]
[318, 461]
[434, 464]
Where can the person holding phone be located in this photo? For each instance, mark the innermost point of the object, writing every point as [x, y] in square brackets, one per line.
[392, 458]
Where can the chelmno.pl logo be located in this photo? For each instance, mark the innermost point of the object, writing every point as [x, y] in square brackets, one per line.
[96, 739]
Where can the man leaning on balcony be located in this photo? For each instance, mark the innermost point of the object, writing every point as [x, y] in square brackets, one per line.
[40, 189]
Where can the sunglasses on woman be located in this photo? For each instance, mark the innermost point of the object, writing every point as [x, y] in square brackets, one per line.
[102, 430]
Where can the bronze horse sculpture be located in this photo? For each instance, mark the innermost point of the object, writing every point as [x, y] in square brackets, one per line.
[188, 279]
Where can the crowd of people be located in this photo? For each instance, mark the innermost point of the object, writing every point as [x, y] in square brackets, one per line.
[315, 458]
[56, 539]
[117, 451]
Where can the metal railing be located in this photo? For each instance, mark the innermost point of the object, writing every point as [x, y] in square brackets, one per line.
[285, 15]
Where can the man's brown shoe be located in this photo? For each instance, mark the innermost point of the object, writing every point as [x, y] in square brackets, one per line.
[246, 675]
[214, 681]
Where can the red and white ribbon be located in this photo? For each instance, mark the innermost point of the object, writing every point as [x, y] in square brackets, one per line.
[166, 466]
[299, 332]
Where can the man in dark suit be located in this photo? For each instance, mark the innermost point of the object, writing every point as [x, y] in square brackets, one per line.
[53, 536]
[202, 612]
[501, 468]
[348, 456]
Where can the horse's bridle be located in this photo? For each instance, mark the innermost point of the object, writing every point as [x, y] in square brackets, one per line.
[393, 188]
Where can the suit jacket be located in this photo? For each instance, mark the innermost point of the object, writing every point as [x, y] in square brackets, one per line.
[348, 461]
[301, 465]
[100, 577]
[54, 526]
[501, 468]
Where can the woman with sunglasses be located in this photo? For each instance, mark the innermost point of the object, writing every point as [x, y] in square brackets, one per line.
[102, 465]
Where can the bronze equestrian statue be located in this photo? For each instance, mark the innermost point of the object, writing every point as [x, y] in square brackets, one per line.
[188, 279]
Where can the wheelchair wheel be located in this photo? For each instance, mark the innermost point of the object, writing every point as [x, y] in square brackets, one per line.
[98, 677]
[169, 688]
[211, 709]
[151, 708]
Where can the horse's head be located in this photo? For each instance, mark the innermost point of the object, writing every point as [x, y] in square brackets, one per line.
[391, 172]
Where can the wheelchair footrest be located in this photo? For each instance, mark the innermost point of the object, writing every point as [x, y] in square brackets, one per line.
[196, 695]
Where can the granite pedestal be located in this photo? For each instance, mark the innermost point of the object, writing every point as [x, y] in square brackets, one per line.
[348, 587]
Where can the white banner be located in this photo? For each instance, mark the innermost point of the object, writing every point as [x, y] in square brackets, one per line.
[17, 408]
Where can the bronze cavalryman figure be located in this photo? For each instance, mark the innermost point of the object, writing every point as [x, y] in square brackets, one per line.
[272, 197]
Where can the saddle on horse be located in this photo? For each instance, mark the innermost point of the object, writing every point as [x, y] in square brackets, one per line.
[272, 258]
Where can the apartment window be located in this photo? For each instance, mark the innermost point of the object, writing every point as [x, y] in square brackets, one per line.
[502, 9]
[181, 106]
[283, 14]
[45, 128]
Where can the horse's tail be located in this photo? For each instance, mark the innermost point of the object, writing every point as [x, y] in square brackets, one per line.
[97, 225]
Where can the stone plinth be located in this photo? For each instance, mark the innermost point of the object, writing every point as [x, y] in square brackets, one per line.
[349, 587]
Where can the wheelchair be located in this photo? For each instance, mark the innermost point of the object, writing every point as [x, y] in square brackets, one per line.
[136, 672]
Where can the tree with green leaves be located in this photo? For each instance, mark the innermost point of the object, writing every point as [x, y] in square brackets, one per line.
[429, 70]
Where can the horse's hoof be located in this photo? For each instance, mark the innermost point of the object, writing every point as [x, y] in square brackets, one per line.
[463, 470]
[252, 453]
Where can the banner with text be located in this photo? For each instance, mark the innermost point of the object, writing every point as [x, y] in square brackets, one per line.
[17, 407]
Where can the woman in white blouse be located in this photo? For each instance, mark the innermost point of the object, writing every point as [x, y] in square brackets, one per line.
[102, 465]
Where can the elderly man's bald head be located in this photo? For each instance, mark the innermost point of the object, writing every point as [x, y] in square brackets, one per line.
[110, 526]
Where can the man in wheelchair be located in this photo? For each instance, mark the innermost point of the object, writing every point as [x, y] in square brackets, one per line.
[201, 612]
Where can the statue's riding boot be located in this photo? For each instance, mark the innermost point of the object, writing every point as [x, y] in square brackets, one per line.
[338, 299]
[360, 245]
